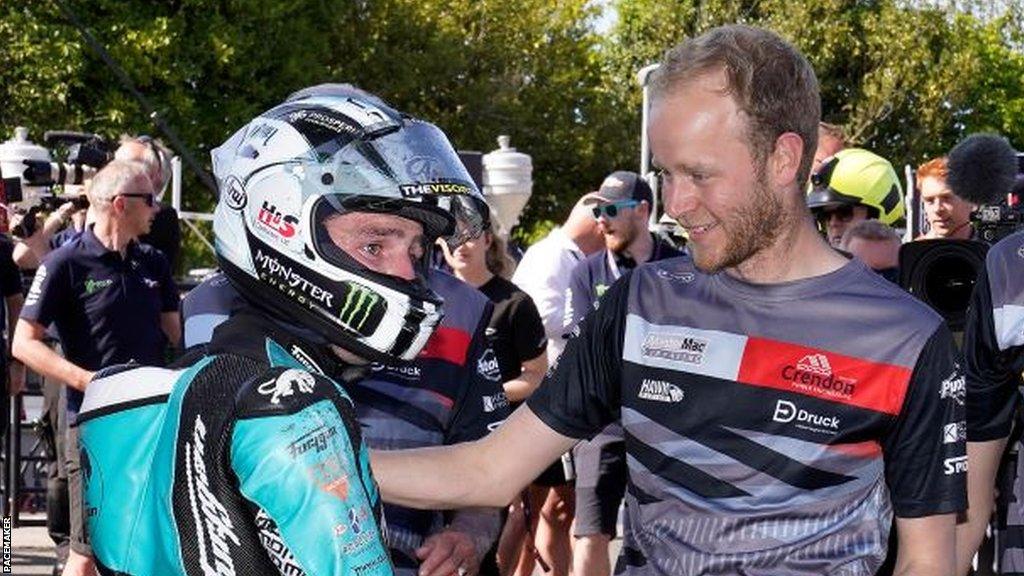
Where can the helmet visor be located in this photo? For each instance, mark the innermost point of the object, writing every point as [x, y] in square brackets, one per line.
[413, 168]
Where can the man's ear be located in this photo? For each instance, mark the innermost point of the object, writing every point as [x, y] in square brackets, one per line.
[784, 161]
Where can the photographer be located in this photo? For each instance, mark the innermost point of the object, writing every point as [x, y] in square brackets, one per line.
[35, 235]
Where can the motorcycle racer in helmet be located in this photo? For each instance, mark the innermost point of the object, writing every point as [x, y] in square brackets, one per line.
[246, 456]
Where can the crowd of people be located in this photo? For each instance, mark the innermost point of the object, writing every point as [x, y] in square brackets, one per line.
[760, 397]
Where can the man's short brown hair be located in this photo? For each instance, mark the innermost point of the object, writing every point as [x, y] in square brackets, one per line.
[872, 230]
[771, 82]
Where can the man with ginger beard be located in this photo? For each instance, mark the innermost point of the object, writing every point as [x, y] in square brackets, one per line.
[780, 402]
[622, 208]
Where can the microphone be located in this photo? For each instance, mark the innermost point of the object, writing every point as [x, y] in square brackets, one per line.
[982, 169]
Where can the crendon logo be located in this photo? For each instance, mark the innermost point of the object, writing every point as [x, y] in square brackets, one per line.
[359, 303]
[813, 373]
[286, 384]
[487, 366]
[214, 529]
[955, 465]
[954, 386]
[281, 224]
[686, 349]
[660, 391]
[786, 412]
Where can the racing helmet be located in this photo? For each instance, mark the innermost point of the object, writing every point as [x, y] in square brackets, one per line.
[326, 151]
[855, 176]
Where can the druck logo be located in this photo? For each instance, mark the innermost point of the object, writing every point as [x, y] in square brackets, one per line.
[660, 391]
[786, 412]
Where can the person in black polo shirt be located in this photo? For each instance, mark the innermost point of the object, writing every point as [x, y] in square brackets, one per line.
[111, 299]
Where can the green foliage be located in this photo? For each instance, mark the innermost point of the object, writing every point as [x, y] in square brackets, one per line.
[904, 80]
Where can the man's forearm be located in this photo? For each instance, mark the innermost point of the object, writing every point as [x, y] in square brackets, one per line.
[982, 466]
[36, 355]
[438, 478]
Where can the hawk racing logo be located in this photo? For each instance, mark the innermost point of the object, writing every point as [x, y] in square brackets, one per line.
[214, 530]
[360, 302]
[813, 373]
[660, 391]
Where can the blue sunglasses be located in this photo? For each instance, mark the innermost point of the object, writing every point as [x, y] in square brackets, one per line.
[611, 210]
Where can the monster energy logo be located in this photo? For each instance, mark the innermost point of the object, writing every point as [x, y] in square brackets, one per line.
[359, 303]
[94, 285]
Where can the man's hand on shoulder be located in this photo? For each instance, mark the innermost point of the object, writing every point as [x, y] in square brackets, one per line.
[444, 553]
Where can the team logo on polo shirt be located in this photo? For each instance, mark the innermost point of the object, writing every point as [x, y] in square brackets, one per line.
[787, 412]
[676, 347]
[487, 366]
[660, 391]
[92, 286]
[954, 387]
[813, 373]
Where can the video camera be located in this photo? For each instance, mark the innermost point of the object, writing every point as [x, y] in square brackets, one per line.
[30, 176]
[995, 221]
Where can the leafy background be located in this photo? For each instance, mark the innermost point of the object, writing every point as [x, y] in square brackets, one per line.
[907, 79]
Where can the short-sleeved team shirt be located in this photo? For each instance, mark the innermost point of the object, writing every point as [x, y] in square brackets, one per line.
[105, 308]
[515, 330]
[770, 429]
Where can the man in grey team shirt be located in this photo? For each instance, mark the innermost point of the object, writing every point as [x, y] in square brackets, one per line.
[780, 402]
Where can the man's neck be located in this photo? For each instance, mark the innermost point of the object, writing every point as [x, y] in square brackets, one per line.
[798, 252]
[110, 236]
[641, 249]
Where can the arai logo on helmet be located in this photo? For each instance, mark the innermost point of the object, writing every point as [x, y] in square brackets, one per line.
[235, 197]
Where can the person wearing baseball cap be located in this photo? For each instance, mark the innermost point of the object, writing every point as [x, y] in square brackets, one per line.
[622, 208]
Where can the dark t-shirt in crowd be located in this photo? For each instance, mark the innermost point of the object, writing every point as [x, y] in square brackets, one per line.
[516, 332]
[165, 234]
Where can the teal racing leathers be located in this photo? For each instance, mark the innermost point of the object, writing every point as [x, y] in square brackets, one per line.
[244, 460]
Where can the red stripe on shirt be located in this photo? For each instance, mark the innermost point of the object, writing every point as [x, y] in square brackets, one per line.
[449, 344]
[826, 375]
